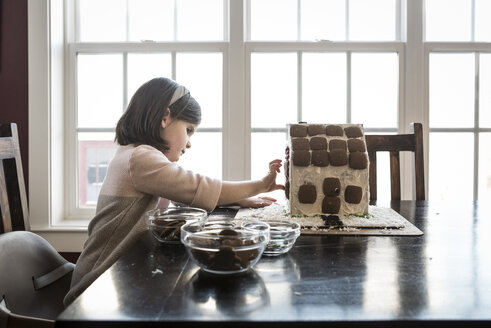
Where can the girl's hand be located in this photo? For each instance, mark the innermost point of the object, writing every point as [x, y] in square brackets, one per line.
[270, 179]
[256, 202]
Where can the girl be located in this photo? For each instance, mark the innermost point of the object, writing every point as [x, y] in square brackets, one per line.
[153, 133]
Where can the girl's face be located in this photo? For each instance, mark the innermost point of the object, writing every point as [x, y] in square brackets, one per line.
[177, 134]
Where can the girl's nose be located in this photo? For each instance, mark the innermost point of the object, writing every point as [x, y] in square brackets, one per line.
[188, 145]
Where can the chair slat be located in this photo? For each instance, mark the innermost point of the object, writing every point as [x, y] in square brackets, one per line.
[395, 144]
[372, 174]
[13, 196]
[395, 176]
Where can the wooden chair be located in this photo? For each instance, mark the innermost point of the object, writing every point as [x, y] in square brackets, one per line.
[13, 197]
[394, 144]
[34, 277]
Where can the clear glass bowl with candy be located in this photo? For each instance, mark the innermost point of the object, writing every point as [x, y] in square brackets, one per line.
[165, 224]
[225, 246]
[283, 234]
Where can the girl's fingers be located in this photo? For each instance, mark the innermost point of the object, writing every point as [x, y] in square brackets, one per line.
[269, 198]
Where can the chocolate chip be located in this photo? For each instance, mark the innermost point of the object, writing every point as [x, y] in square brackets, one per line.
[352, 194]
[338, 157]
[331, 186]
[331, 205]
[320, 158]
[318, 143]
[353, 132]
[300, 144]
[358, 160]
[337, 144]
[356, 145]
[301, 157]
[334, 130]
[298, 130]
[315, 129]
[307, 194]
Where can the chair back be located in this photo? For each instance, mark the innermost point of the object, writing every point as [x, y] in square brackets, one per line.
[34, 279]
[394, 144]
[13, 197]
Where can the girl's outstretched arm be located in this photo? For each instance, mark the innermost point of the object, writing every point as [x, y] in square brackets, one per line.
[234, 191]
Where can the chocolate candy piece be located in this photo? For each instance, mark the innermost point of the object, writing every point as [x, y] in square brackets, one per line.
[358, 160]
[353, 132]
[331, 187]
[331, 205]
[318, 143]
[301, 157]
[338, 157]
[356, 145]
[320, 158]
[300, 144]
[337, 144]
[307, 194]
[228, 232]
[298, 130]
[334, 130]
[316, 129]
[352, 194]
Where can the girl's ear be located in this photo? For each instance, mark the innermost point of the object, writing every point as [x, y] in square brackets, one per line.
[166, 119]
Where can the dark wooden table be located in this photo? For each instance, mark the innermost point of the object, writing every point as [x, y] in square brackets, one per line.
[442, 278]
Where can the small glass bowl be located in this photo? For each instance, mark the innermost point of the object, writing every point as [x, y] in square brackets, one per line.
[283, 235]
[165, 224]
[225, 246]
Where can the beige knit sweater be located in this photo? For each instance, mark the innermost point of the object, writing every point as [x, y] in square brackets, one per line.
[137, 176]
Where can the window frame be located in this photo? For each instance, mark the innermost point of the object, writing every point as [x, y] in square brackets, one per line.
[475, 48]
[49, 96]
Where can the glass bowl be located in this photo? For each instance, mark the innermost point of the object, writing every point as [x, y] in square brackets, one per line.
[165, 224]
[283, 235]
[225, 246]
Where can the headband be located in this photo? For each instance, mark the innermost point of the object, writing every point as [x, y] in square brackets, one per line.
[178, 94]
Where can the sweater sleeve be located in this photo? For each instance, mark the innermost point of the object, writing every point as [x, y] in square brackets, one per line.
[152, 173]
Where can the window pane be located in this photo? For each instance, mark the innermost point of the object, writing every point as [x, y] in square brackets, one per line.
[144, 67]
[273, 89]
[484, 87]
[448, 20]
[372, 20]
[374, 90]
[100, 90]
[151, 20]
[266, 147]
[205, 155]
[268, 22]
[451, 166]
[383, 175]
[451, 90]
[101, 20]
[484, 166]
[202, 74]
[324, 87]
[200, 20]
[95, 151]
[324, 20]
[483, 23]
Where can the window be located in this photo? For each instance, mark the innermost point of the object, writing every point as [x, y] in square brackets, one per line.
[110, 62]
[255, 66]
[459, 53]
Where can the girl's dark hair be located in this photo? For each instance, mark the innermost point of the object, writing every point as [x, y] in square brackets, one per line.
[141, 122]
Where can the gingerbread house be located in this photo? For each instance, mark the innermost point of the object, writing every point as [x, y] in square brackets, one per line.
[326, 169]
